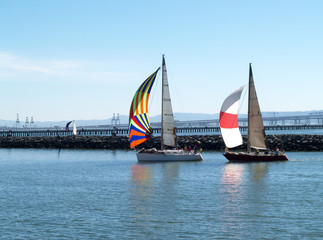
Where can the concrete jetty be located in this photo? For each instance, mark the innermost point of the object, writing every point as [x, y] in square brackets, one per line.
[124, 131]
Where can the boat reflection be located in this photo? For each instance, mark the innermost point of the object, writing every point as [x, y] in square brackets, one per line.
[232, 190]
[240, 183]
[258, 170]
[232, 176]
[170, 171]
[234, 173]
[143, 181]
[148, 182]
[141, 175]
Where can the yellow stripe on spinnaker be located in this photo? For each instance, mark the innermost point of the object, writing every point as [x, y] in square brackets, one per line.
[136, 125]
[143, 121]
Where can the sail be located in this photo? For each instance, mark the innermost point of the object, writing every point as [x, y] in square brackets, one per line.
[139, 124]
[74, 128]
[67, 125]
[229, 119]
[168, 123]
[256, 130]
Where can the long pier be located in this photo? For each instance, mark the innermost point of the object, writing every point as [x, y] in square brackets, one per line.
[124, 131]
[315, 118]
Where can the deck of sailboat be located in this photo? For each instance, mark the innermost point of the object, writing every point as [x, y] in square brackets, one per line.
[253, 157]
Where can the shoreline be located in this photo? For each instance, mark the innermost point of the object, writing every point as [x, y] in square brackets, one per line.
[206, 142]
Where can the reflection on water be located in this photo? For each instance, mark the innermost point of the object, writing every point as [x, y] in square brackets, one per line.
[170, 170]
[241, 189]
[258, 170]
[141, 193]
[140, 174]
[152, 185]
[59, 153]
[142, 182]
[232, 174]
[232, 192]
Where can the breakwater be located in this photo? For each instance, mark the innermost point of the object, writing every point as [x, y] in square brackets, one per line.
[206, 142]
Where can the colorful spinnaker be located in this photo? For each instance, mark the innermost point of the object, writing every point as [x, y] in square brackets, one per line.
[139, 124]
[229, 119]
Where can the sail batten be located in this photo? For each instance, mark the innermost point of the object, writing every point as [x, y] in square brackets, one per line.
[256, 129]
[168, 123]
[139, 124]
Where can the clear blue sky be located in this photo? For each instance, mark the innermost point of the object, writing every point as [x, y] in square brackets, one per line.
[74, 59]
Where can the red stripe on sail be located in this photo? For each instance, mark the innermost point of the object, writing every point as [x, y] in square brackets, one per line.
[228, 120]
[137, 103]
[139, 125]
[131, 111]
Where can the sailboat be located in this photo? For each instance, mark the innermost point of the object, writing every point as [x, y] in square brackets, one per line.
[257, 149]
[67, 126]
[140, 129]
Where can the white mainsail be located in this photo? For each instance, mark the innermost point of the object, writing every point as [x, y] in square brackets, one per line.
[74, 128]
[229, 119]
[256, 129]
[168, 123]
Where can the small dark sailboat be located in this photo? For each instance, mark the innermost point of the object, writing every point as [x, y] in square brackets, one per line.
[257, 149]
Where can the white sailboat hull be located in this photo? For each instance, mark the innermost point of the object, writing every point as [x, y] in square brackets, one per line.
[168, 156]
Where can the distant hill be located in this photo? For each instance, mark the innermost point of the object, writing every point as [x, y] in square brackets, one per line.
[124, 119]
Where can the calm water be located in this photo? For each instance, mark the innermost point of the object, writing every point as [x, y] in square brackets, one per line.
[74, 194]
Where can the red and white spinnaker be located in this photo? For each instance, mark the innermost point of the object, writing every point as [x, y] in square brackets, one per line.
[229, 119]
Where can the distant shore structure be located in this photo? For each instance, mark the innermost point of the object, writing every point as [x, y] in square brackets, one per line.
[17, 121]
[115, 121]
[27, 124]
[32, 124]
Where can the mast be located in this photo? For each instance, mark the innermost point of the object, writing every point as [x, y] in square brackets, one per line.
[162, 103]
[168, 133]
[256, 129]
